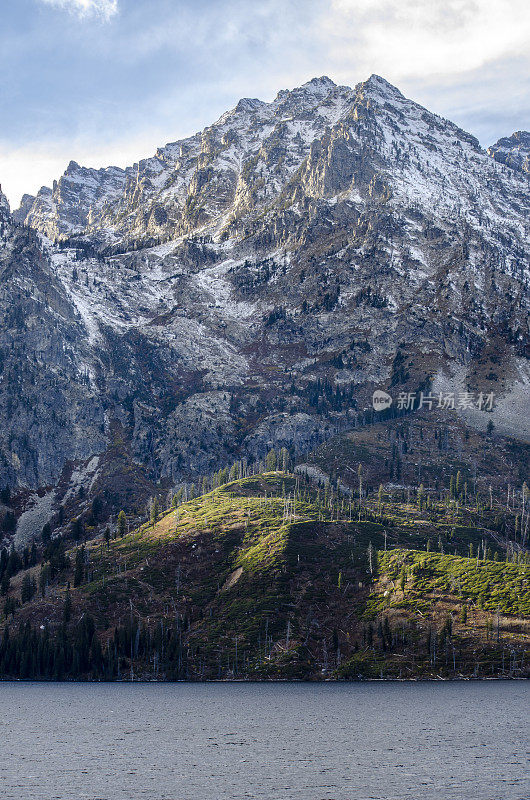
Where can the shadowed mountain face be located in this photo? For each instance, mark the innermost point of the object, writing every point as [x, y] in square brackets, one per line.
[514, 151]
[251, 285]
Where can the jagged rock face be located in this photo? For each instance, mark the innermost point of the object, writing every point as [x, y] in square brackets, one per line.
[48, 413]
[4, 206]
[251, 285]
[241, 161]
[78, 196]
[514, 151]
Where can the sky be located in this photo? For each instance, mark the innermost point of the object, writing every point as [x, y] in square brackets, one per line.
[108, 81]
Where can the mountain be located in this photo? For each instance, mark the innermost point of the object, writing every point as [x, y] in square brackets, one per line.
[46, 404]
[514, 151]
[78, 195]
[249, 287]
[191, 183]
[4, 206]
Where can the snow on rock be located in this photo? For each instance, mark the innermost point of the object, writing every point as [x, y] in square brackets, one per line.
[4, 204]
[335, 236]
[514, 151]
[39, 511]
[83, 476]
[510, 412]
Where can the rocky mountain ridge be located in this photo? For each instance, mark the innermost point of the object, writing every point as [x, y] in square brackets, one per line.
[251, 285]
[193, 183]
[514, 151]
[186, 182]
[4, 205]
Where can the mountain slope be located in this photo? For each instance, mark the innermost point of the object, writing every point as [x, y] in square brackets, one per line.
[514, 151]
[353, 138]
[252, 285]
[266, 577]
[46, 404]
[193, 181]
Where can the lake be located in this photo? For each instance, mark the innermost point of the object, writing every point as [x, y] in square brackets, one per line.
[221, 741]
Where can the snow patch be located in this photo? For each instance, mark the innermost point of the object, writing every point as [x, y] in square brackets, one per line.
[32, 521]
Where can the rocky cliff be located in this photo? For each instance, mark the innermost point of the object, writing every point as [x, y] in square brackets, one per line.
[514, 151]
[251, 285]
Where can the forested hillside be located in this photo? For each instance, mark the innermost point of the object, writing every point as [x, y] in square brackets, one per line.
[271, 576]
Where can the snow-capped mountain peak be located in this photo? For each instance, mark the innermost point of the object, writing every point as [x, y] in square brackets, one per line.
[337, 236]
[378, 86]
[248, 158]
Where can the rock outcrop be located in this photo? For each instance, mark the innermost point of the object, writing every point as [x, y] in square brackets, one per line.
[514, 151]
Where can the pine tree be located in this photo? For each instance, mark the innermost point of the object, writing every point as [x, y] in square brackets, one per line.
[284, 459]
[14, 562]
[271, 461]
[360, 475]
[79, 568]
[77, 529]
[155, 510]
[122, 524]
[44, 578]
[28, 588]
[67, 609]
[420, 496]
[177, 498]
[10, 607]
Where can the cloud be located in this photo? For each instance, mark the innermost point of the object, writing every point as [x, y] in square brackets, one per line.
[112, 93]
[105, 9]
[422, 38]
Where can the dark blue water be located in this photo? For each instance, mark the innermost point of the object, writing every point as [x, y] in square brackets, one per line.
[398, 741]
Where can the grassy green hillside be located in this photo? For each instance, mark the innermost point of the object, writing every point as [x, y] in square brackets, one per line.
[269, 577]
